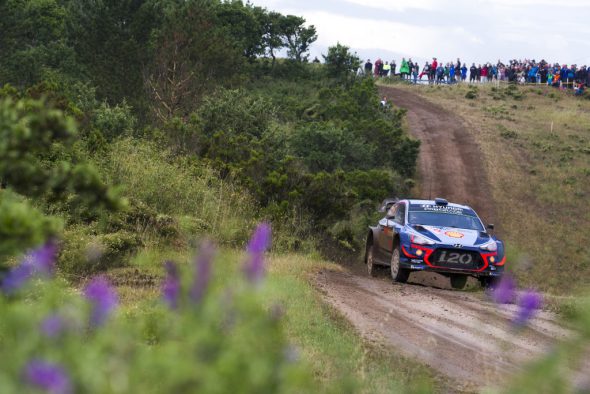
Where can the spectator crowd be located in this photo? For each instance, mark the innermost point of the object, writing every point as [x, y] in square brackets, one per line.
[515, 71]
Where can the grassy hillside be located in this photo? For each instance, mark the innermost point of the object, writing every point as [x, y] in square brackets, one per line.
[536, 146]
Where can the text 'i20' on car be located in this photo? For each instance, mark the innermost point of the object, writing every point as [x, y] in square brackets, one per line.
[434, 235]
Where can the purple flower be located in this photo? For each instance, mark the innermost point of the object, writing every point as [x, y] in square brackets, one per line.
[43, 258]
[52, 326]
[505, 291]
[47, 376]
[38, 261]
[171, 285]
[202, 271]
[529, 303]
[103, 299]
[259, 243]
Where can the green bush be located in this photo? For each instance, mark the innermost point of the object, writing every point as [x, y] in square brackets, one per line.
[84, 251]
[158, 183]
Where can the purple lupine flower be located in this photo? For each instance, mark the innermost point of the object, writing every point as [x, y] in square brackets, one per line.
[202, 275]
[52, 326]
[259, 243]
[505, 291]
[48, 377]
[103, 298]
[171, 285]
[529, 303]
[43, 258]
[40, 261]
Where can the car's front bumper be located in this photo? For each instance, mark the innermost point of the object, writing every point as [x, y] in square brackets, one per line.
[420, 258]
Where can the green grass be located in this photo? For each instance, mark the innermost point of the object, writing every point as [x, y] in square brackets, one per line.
[339, 359]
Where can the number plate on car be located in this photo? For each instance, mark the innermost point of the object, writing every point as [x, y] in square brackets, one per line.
[455, 258]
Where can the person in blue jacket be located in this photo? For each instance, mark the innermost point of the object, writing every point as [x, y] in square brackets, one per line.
[563, 74]
[463, 73]
[452, 73]
[533, 74]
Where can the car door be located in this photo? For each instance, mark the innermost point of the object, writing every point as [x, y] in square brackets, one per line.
[399, 221]
[385, 234]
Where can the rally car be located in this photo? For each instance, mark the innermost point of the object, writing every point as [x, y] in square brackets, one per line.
[434, 235]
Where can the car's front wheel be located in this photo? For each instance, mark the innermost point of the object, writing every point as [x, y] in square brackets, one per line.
[398, 274]
[488, 282]
[458, 281]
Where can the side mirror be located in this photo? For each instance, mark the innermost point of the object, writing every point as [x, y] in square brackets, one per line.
[490, 227]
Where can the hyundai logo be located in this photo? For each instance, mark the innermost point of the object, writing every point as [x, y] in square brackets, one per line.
[457, 245]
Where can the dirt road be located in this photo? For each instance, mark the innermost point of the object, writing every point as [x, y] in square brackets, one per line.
[459, 334]
[449, 164]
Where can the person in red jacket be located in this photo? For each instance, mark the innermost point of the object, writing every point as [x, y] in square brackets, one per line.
[433, 67]
[484, 73]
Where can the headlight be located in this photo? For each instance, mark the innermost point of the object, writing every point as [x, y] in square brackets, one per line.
[491, 246]
[420, 240]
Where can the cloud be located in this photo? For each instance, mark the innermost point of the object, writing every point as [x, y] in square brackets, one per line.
[477, 31]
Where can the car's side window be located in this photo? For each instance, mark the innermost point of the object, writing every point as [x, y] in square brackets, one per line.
[400, 214]
[392, 211]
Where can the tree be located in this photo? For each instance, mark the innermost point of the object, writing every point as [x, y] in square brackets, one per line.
[340, 62]
[243, 26]
[271, 27]
[33, 41]
[296, 37]
[192, 55]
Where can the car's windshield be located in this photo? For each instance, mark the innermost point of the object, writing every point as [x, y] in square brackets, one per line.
[445, 220]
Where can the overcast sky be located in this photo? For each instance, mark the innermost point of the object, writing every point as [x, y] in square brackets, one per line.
[476, 31]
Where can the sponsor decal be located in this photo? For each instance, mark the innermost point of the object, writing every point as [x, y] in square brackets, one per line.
[454, 234]
[442, 208]
[417, 267]
[416, 261]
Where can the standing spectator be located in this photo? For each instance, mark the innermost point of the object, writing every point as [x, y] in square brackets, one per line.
[393, 66]
[463, 72]
[378, 66]
[433, 68]
[368, 67]
[440, 74]
[404, 70]
[415, 71]
[425, 70]
[478, 73]
[563, 74]
[543, 74]
[458, 66]
[386, 69]
[484, 73]
[452, 73]
[472, 73]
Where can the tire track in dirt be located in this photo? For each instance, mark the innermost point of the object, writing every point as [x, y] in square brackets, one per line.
[459, 334]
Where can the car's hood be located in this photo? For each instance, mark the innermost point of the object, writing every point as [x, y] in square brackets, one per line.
[453, 236]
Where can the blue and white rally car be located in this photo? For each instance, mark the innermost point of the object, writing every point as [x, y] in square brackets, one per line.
[426, 235]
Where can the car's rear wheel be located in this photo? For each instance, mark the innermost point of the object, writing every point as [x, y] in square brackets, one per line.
[398, 274]
[458, 281]
[372, 268]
